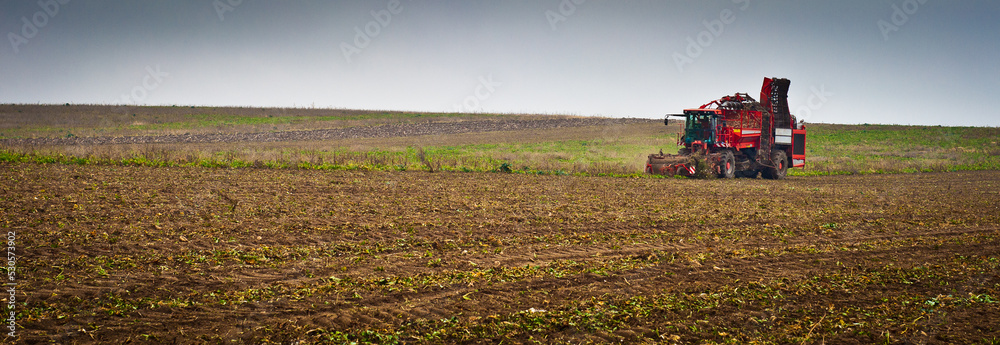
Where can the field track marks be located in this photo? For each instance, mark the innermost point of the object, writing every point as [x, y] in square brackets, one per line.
[678, 277]
[854, 240]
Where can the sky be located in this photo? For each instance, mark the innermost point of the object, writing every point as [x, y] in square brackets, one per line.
[919, 62]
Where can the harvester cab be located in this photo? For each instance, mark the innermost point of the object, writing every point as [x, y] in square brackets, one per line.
[738, 136]
[701, 127]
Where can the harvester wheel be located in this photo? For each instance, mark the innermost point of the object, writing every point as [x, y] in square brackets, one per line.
[727, 165]
[780, 169]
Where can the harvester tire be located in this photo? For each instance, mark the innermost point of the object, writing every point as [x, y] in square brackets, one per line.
[780, 161]
[727, 165]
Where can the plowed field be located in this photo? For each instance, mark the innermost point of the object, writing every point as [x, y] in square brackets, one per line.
[116, 254]
[381, 131]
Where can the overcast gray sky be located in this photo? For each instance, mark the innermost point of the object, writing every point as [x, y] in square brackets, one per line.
[856, 61]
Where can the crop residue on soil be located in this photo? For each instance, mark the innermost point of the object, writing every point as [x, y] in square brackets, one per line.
[118, 254]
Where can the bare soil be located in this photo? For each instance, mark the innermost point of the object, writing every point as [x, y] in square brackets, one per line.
[380, 131]
[193, 255]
